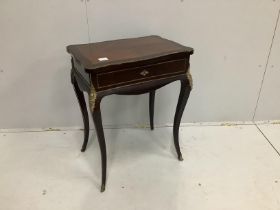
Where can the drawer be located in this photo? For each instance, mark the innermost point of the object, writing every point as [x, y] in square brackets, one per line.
[143, 73]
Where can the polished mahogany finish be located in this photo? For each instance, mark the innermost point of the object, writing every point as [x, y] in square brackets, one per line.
[129, 67]
[125, 51]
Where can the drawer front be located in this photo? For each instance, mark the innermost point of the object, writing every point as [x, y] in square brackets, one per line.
[139, 74]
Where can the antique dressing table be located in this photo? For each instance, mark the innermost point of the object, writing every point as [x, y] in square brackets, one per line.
[128, 67]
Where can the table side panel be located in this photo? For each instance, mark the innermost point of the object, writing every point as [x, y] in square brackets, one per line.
[82, 77]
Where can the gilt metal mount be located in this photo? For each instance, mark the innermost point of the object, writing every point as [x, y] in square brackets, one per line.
[92, 98]
[189, 77]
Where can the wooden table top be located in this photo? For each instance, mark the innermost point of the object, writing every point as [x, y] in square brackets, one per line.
[98, 55]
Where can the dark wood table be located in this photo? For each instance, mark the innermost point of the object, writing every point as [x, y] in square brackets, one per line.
[128, 67]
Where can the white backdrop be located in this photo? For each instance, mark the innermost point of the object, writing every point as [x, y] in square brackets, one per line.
[231, 40]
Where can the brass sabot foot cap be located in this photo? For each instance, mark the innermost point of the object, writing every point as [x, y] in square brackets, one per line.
[102, 188]
[180, 158]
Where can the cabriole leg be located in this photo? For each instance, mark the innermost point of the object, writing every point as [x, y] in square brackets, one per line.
[183, 98]
[97, 119]
[83, 107]
[151, 108]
